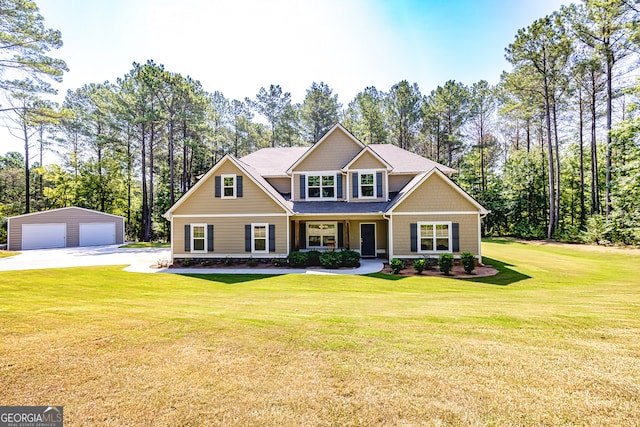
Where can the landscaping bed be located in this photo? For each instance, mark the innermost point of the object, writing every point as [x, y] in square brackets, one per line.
[457, 271]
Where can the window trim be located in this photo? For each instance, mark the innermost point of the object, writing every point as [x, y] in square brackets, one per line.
[205, 237]
[266, 237]
[233, 186]
[322, 247]
[449, 225]
[373, 185]
[331, 174]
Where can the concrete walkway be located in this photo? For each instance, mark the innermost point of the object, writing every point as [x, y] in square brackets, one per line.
[142, 261]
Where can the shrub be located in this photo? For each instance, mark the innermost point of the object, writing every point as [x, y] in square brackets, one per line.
[350, 258]
[419, 264]
[313, 259]
[570, 234]
[163, 262]
[228, 261]
[298, 259]
[207, 262]
[445, 263]
[279, 262]
[3, 230]
[526, 230]
[598, 230]
[331, 259]
[397, 265]
[468, 262]
[252, 262]
[187, 262]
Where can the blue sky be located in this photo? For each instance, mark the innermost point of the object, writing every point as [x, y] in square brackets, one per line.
[237, 46]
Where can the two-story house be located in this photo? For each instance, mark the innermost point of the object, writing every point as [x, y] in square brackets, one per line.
[377, 199]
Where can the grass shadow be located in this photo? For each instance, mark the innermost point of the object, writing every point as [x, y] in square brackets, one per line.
[229, 279]
[386, 276]
[505, 277]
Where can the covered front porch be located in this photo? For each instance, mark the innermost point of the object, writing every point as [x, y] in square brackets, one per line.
[366, 234]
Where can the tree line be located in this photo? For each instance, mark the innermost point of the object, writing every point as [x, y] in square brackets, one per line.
[552, 149]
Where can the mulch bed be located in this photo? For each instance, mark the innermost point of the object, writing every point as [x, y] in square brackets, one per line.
[457, 272]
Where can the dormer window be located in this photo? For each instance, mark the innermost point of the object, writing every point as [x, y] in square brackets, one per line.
[228, 186]
[321, 186]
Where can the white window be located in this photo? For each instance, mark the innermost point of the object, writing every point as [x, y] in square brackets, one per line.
[322, 235]
[228, 186]
[434, 237]
[367, 185]
[199, 238]
[260, 238]
[321, 186]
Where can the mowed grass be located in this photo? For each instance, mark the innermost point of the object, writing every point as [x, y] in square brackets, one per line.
[554, 339]
[137, 245]
[6, 254]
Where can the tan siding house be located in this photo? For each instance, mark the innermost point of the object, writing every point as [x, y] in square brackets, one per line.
[379, 200]
[330, 153]
[65, 227]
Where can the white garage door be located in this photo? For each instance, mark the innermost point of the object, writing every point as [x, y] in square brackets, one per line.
[98, 233]
[44, 236]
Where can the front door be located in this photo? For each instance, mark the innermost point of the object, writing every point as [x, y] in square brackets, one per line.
[368, 240]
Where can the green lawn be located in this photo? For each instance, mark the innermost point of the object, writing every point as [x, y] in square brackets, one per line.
[554, 339]
[5, 254]
[147, 245]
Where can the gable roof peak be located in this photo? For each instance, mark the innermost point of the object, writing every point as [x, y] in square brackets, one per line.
[371, 151]
[335, 127]
[247, 169]
[421, 178]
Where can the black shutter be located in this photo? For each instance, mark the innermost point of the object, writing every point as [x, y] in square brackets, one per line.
[239, 186]
[218, 185]
[247, 237]
[187, 238]
[378, 184]
[339, 184]
[210, 237]
[272, 237]
[413, 235]
[455, 236]
[354, 177]
[303, 186]
[303, 235]
[341, 235]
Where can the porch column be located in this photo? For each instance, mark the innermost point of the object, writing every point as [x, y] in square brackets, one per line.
[348, 234]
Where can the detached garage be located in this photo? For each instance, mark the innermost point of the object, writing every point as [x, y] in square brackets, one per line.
[66, 227]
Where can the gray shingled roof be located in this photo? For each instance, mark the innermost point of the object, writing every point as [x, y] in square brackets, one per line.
[264, 183]
[339, 207]
[404, 161]
[272, 162]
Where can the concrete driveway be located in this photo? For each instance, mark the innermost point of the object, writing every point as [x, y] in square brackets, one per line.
[137, 259]
[142, 260]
